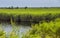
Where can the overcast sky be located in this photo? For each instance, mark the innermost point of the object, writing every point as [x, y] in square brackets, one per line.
[30, 3]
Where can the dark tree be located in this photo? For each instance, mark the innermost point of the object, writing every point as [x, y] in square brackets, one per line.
[17, 7]
[11, 7]
[26, 7]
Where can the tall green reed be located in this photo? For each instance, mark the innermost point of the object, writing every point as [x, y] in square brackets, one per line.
[45, 30]
[2, 32]
[15, 31]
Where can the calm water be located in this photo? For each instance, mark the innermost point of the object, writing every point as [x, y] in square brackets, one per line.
[22, 29]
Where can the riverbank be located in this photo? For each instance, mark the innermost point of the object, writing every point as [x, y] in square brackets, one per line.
[29, 15]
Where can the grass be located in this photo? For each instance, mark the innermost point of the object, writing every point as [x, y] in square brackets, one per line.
[32, 11]
[2, 32]
[13, 34]
[45, 30]
[49, 29]
[29, 14]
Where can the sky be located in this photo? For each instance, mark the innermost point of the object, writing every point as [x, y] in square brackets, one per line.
[30, 3]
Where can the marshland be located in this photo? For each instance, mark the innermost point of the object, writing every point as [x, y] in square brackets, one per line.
[30, 22]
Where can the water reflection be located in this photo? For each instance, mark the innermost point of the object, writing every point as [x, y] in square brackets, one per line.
[22, 29]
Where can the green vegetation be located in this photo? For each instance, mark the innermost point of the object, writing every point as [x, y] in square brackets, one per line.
[29, 14]
[45, 22]
[32, 11]
[13, 34]
[45, 30]
[2, 32]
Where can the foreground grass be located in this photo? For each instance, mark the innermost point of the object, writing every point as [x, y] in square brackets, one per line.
[13, 34]
[45, 30]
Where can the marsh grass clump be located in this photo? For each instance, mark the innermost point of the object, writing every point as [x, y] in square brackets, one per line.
[2, 32]
[15, 31]
[45, 30]
[13, 34]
